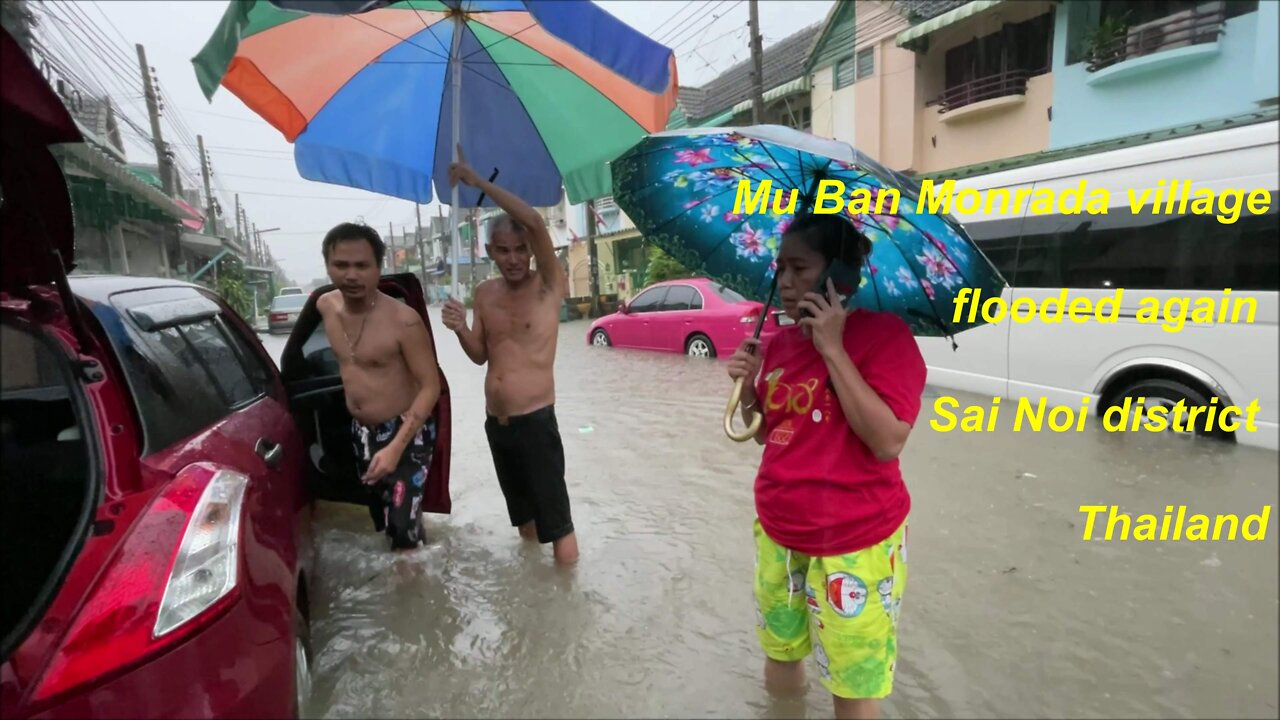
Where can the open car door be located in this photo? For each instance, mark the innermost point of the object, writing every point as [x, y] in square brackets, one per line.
[309, 368]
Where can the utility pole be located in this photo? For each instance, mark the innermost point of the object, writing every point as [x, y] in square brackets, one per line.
[592, 260]
[153, 109]
[204, 173]
[475, 246]
[255, 253]
[757, 62]
[237, 233]
[391, 245]
[422, 255]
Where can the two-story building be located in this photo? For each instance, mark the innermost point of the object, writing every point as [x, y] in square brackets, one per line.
[927, 86]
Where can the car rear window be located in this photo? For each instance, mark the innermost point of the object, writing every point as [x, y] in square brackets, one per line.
[289, 302]
[727, 295]
[183, 377]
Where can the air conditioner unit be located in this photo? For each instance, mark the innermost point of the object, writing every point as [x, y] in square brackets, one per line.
[1166, 33]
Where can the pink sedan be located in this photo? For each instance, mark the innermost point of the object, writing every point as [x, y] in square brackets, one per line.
[698, 317]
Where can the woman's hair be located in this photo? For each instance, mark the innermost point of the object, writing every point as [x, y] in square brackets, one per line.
[831, 235]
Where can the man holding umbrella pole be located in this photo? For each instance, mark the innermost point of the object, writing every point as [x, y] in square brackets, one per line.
[515, 326]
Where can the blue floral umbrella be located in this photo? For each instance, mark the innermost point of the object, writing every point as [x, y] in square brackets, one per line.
[680, 187]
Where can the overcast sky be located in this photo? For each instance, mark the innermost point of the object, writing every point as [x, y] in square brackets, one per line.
[252, 158]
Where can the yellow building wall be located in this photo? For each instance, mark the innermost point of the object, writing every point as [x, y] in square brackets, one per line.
[1012, 129]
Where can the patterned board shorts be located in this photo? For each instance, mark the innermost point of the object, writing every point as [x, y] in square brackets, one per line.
[396, 499]
[843, 608]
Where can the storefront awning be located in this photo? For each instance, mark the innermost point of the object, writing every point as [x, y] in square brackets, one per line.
[799, 85]
[119, 176]
[200, 243]
[932, 25]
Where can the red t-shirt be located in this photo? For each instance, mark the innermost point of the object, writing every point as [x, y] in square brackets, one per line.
[820, 489]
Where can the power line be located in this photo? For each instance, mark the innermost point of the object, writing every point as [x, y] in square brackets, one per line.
[675, 30]
[223, 115]
[692, 26]
[673, 16]
[707, 27]
[303, 197]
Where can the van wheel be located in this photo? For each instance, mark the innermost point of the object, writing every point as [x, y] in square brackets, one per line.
[301, 663]
[600, 338]
[1164, 392]
[699, 345]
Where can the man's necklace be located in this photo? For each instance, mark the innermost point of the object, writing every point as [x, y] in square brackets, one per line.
[351, 346]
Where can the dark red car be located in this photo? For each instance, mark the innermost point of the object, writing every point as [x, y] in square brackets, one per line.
[157, 477]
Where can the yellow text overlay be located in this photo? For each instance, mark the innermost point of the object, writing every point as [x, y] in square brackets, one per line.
[1172, 313]
[1131, 415]
[1195, 528]
[1174, 197]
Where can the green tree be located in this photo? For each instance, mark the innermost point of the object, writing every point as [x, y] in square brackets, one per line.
[231, 286]
[664, 267]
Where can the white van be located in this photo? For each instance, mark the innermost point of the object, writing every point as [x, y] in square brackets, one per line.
[1159, 256]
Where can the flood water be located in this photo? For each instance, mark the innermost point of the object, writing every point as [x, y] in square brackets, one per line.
[1007, 613]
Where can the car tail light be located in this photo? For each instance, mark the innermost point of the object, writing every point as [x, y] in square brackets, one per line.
[174, 573]
[205, 568]
[278, 316]
[752, 316]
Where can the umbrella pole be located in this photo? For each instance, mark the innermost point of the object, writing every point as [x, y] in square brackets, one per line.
[455, 62]
[736, 396]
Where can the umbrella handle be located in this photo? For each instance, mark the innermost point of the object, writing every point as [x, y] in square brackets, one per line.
[735, 399]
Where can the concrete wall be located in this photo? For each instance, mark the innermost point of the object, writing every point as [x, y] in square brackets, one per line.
[896, 81]
[1007, 131]
[580, 269]
[1231, 81]
[145, 246]
[833, 110]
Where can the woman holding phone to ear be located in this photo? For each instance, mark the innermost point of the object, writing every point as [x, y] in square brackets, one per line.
[840, 392]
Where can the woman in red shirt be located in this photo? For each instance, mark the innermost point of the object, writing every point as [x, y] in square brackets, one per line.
[840, 392]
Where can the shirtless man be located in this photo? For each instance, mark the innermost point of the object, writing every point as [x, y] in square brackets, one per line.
[516, 321]
[389, 376]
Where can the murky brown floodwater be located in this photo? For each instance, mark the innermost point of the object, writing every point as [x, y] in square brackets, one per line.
[1008, 612]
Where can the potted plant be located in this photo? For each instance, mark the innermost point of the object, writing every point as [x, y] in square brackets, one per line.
[1104, 44]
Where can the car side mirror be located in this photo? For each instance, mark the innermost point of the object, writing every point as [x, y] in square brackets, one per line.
[624, 308]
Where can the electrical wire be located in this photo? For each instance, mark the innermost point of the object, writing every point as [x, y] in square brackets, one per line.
[691, 25]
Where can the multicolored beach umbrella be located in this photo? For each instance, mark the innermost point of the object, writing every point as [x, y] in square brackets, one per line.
[376, 94]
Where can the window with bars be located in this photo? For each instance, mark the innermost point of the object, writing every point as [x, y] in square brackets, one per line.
[866, 63]
[844, 72]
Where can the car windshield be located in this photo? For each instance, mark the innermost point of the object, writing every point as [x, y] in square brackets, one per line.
[727, 295]
[289, 302]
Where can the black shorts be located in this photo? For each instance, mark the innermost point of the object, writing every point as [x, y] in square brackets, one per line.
[529, 458]
[395, 500]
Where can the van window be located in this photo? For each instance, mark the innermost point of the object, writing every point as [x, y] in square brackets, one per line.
[1152, 252]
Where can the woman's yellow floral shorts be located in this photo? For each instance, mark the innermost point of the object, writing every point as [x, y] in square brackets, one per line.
[844, 608]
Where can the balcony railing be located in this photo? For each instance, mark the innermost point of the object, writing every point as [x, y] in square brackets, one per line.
[1012, 82]
[1197, 26]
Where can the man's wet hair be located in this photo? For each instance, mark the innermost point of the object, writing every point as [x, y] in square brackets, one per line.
[505, 223]
[833, 236]
[354, 231]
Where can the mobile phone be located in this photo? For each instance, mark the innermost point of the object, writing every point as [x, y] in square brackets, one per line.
[845, 278]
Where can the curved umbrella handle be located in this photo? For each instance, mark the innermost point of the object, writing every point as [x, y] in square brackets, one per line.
[734, 399]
